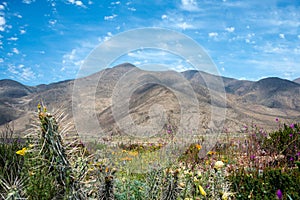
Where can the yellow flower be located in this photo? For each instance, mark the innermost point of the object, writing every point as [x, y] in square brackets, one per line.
[219, 165]
[211, 153]
[126, 159]
[181, 184]
[198, 146]
[226, 195]
[31, 145]
[133, 153]
[31, 173]
[22, 151]
[202, 192]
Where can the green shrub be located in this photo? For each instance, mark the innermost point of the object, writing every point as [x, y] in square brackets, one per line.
[286, 142]
[258, 185]
[11, 182]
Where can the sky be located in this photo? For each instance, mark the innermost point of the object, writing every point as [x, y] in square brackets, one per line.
[45, 41]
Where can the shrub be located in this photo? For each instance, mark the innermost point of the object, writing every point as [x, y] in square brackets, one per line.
[285, 142]
[257, 185]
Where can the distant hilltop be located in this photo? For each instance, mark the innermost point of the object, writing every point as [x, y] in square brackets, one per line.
[259, 102]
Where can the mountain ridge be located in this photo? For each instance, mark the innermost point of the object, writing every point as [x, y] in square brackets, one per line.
[262, 100]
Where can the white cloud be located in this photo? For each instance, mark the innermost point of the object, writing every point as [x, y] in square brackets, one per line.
[213, 34]
[77, 3]
[22, 31]
[28, 1]
[230, 29]
[1, 60]
[52, 22]
[132, 9]
[109, 34]
[164, 17]
[111, 17]
[2, 23]
[15, 50]
[281, 35]
[298, 36]
[2, 7]
[13, 38]
[24, 73]
[185, 26]
[115, 3]
[189, 5]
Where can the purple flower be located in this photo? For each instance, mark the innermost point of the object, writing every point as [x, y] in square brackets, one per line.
[291, 135]
[169, 131]
[252, 157]
[292, 126]
[277, 120]
[298, 154]
[291, 159]
[279, 194]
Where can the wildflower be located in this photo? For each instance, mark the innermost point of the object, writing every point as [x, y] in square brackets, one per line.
[181, 184]
[226, 195]
[31, 145]
[133, 153]
[31, 173]
[22, 151]
[279, 194]
[202, 192]
[211, 153]
[292, 126]
[298, 154]
[198, 146]
[252, 157]
[277, 120]
[126, 159]
[291, 135]
[219, 165]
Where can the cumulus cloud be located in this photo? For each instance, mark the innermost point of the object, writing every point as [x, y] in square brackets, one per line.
[230, 29]
[15, 50]
[22, 31]
[115, 3]
[2, 23]
[111, 17]
[22, 72]
[13, 39]
[77, 3]
[189, 5]
[132, 9]
[281, 35]
[2, 7]
[28, 1]
[213, 34]
[185, 26]
[164, 17]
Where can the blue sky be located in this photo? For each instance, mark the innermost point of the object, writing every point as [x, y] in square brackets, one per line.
[44, 41]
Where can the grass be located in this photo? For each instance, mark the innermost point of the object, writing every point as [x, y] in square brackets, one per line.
[51, 163]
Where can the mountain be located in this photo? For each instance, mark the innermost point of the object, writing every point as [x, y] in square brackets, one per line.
[297, 80]
[127, 99]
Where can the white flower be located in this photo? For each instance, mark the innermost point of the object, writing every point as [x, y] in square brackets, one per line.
[219, 165]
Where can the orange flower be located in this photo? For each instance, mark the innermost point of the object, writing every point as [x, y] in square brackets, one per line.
[198, 146]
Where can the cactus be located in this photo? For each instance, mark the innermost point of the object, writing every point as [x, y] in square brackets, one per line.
[106, 191]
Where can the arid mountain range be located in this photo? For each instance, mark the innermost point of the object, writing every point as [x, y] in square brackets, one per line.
[154, 100]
